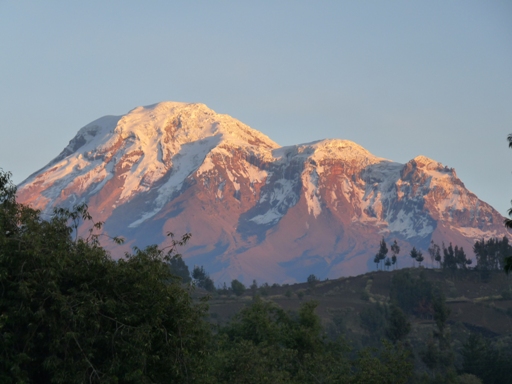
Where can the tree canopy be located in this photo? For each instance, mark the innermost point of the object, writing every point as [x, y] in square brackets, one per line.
[69, 313]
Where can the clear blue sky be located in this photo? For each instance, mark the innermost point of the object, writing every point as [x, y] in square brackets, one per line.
[401, 78]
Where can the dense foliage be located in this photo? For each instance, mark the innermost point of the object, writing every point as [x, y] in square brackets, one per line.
[71, 314]
[490, 254]
[265, 344]
[489, 362]
[202, 279]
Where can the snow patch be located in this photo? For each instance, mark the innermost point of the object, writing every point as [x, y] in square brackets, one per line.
[311, 192]
[411, 224]
[206, 167]
[476, 233]
[272, 216]
[184, 165]
[233, 180]
[220, 190]
[280, 198]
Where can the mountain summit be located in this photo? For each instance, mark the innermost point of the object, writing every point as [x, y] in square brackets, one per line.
[256, 210]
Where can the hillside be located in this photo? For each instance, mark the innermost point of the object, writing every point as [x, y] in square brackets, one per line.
[358, 309]
[484, 307]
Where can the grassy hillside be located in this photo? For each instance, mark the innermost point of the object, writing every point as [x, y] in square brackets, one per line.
[358, 309]
[477, 304]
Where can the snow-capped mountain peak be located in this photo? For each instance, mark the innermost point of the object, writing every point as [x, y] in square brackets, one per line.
[140, 148]
[256, 210]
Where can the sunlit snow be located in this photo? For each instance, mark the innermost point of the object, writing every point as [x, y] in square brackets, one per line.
[159, 146]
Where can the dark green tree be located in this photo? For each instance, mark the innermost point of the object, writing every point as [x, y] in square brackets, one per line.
[383, 251]
[202, 278]
[414, 295]
[312, 280]
[376, 260]
[446, 356]
[414, 255]
[489, 362]
[449, 259]
[419, 257]
[435, 253]
[438, 354]
[474, 352]
[454, 258]
[179, 268]
[395, 250]
[69, 313]
[461, 259]
[373, 320]
[390, 365]
[398, 325]
[254, 287]
[430, 355]
[223, 290]
[265, 344]
[265, 289]
[237, 287]
[490, 254]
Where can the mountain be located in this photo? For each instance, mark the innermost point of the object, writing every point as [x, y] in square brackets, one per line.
[256, 210]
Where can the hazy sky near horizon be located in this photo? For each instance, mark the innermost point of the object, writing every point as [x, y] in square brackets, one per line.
[400, 78]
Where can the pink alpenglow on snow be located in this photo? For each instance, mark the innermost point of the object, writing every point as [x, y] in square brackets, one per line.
[256, 210]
